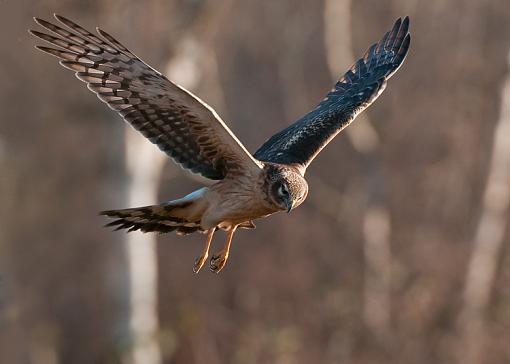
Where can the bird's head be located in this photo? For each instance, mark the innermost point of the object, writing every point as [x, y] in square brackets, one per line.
[286, 188]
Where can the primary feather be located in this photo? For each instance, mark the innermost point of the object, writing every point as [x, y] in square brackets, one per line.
[300, 143]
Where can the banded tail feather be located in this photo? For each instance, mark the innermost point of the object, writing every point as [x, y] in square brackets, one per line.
[155, 218]
[182, 216]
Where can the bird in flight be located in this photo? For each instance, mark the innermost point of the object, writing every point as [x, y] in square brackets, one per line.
[189, 131]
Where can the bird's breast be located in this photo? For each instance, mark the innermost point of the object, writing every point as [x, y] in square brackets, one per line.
[234, 203]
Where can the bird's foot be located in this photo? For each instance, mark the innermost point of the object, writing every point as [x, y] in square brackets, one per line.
[199, 263]
[218, 261]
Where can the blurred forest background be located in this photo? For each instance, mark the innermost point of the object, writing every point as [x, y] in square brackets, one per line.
[401, 253]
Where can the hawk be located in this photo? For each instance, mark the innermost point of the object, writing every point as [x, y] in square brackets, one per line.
[189, 131]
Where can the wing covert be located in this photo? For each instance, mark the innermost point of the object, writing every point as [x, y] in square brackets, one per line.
[179, 123]
[300, 143]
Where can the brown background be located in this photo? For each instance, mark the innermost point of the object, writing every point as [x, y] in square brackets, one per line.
[373, 268]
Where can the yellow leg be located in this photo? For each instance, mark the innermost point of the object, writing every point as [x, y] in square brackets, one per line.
[219, 259]
[199, 262]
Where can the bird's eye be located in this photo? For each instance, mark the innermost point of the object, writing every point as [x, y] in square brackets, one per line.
[282, 190]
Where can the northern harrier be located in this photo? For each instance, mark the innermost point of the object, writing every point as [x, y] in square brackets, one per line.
[248, 186]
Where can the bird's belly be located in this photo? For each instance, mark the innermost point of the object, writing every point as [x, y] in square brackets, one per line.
[241, 215]
[228, 214]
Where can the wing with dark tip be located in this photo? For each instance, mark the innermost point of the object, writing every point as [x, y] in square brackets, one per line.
[178, 122]
[300, 143]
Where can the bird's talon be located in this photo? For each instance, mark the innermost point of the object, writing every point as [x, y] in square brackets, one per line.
[199, 263]
[217, 262]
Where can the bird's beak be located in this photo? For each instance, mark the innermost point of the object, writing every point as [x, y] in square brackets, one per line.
[289, 204]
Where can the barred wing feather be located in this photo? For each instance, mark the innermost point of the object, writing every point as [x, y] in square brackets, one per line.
[179, 123]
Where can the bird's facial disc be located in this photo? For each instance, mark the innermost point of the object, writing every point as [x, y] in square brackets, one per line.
[288, 194]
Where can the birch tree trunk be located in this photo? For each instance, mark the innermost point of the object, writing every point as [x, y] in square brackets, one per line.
[488, 239]
[144, 165]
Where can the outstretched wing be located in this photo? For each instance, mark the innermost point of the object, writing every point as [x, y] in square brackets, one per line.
[300, 143]
[178, 122]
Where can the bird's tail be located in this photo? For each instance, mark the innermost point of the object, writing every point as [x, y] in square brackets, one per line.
[182, 216]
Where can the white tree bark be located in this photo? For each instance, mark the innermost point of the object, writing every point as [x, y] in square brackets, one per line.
[144, 165]
[488, 239]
